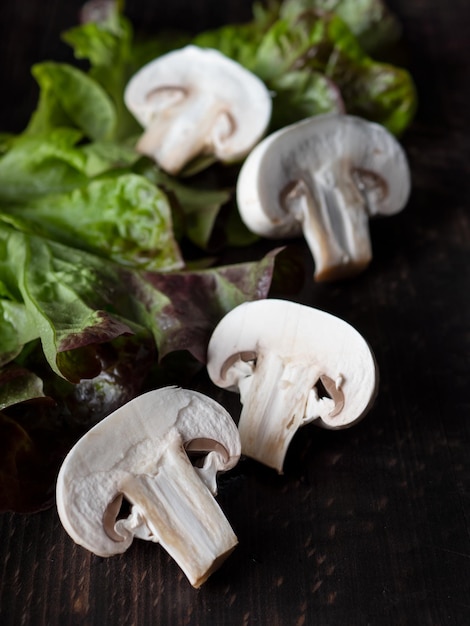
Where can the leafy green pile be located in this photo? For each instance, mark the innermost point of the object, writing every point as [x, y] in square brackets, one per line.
[108, 280]
[314, 55]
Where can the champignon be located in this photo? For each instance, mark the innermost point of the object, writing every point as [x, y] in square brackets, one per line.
[196, 101]
[324, 177]
[292, 364]
[139, 454]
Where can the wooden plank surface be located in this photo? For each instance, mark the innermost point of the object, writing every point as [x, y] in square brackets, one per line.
[366, 526]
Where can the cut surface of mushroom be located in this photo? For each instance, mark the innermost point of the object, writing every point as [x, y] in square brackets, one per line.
[140, 454]
[324, 177]
[196, 101]
[292, 364]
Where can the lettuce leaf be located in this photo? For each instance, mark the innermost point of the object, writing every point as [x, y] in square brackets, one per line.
[65, 293]
[114, 55]
[310, 59]
[377, 91]
[371, 21]
[70, 97]
[198, 205]
[301, 94]
[107, 46]
[17, 328]
[183, 308]
[42, 164]
[125, 218]
[18, 385]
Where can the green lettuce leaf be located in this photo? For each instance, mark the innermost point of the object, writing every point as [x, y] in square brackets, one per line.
[107, 46]
[371, 21]
[324, 44]
[18, 385]
[108, 156]
[377, 91]
[114, 55]
[301, 94]
[311, 60]
[42, 164]
[65, 293]
[70, 97]
[17, 328]
[239, 42]
[198, 205]
[124, 218]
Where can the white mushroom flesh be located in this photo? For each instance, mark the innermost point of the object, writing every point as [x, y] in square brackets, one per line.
[194, 102]
[140, 454]
[323, 178]
[291, 364]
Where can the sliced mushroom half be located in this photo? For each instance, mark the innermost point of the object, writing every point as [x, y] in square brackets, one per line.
[292, 364]
[324, 177]
[140, 454]
[196, 101]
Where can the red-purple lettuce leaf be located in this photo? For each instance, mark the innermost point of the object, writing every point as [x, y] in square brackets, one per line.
[182, 308]
[125, 367]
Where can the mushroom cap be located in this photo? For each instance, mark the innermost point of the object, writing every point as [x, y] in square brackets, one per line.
[316, 150]
[298, 334]
[236, 102]
[131, 442]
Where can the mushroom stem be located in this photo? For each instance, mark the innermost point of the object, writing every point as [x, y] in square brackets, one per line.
[174, 139]
[274, 405]
[334, 223]
[181, 514]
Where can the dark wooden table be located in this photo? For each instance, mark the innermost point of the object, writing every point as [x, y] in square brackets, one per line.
[366, 526]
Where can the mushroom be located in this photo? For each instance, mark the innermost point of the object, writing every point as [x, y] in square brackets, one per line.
[324, 177]
[196, 101]
[292, 364]
[139, 454]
